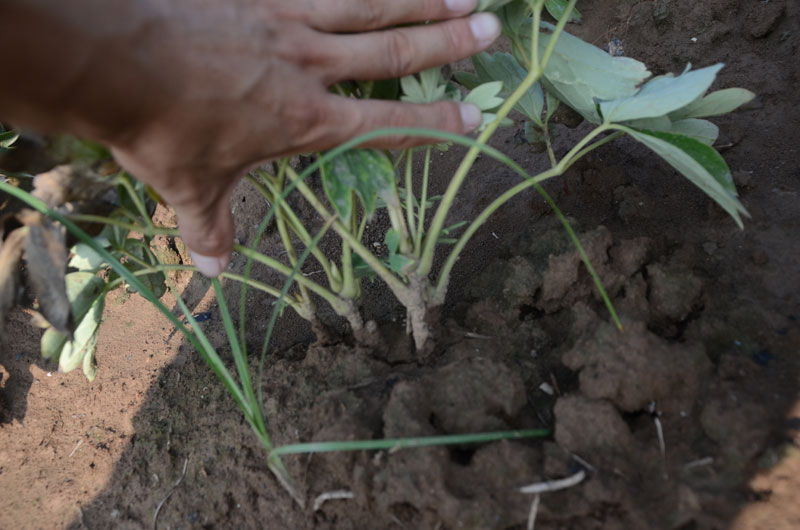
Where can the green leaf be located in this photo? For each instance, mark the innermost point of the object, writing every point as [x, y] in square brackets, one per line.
[361, 268]
[428, 89]
[715, 104]
[556, 9]
[513, 16]
[579, 74]
[399, 263]
[367, 172]
[392, 240]
[7, 139]
[702, 130]
[552, 105]
[468, 79]
[504, 67]
[388, 89]
[85, 259]
[490, 5]
[155, 281]
[698, 162]
[484, 96]
[660, 96]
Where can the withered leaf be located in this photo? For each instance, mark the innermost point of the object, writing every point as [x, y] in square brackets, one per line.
[46, 260]
[69, 183]
[10, 256]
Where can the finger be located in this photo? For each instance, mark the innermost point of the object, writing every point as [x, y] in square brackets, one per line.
[349, 118]
[402, 51]
[208, 233]
[366, 15]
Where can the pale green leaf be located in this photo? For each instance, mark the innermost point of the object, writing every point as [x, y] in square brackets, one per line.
[715, 104]
[661, 123]
[698, 162]
[412, 90]
[556, 9]
[428, 89]
[579, 74]
[504, 67]
[484, 96]
[85, 339]
[660, 96]
[85, 258]
[702, 130]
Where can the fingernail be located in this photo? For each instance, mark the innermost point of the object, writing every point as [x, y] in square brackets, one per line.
[460, 6]
[470, 116]
[485, 27]
[209, 266]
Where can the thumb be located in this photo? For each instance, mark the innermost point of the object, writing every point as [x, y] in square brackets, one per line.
[208, 233]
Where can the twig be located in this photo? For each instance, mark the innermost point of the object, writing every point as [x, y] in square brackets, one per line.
[533, 512]
[656, 414]
[707, 461]
[76, 447]
[331, 495]
[584, 463]
[554, 485]
[177, 483]
[471, 335]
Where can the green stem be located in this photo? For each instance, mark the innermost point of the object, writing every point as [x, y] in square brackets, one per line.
[256, 420]
[125, 182]
[551, 46]
[410, 193]
[444, 274]
[269, 193]
[394, 283]
[277, 266]
[432, 236]
[598, 143]
[423, 204]
[98, 219]
[401, 443]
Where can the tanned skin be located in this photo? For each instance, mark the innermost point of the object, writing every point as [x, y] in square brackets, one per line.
[190, 94]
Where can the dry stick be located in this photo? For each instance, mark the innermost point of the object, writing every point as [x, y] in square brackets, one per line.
[533, 512]
[331, 495]
[554, 485]
[76, 447]
[177, 483]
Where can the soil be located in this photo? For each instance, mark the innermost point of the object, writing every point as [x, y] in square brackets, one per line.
[708, 353]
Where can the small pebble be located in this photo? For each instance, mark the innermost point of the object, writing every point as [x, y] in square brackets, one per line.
[547, 389]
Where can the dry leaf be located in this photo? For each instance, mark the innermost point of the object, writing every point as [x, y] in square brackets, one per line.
[10, 256]
[46, 260]
[69, 183]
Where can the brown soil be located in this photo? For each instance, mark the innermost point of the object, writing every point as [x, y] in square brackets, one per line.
[709, 349]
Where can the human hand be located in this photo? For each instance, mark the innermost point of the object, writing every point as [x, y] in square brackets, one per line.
[232, 84]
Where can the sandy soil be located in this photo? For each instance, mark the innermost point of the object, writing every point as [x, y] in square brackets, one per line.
[711, 338]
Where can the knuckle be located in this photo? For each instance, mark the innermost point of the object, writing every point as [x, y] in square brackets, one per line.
[304, 120]
[400, 53]
[458, 38]
[372, 13]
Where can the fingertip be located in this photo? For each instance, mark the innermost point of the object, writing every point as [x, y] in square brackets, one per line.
[471, 116]
[485, 28]
[460, 7]
[210, 266]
